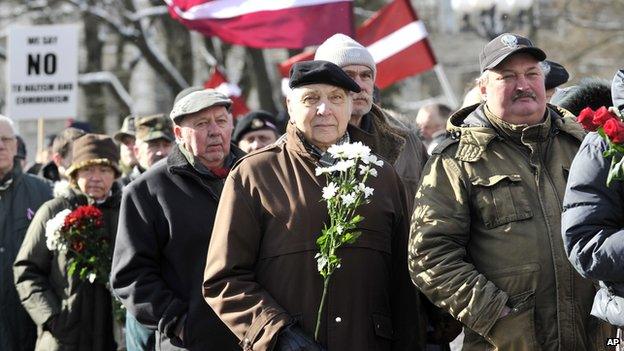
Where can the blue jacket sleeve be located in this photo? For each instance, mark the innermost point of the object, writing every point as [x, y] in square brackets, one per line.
[592, 223]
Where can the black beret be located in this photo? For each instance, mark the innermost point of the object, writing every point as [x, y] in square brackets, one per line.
[255, 120]
[320, 72]
[556, 74]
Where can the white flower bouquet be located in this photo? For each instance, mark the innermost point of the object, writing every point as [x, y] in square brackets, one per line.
[346, 190]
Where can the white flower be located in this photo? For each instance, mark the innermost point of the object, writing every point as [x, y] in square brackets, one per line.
[329, 191]
[321, 262]
[348, 199]
[349, 151]
[52, 228]
[356, 150]
[372, 159]
[339, 229]
[344, 165]
[368, 191]
[336, 150]
[91, 277]
[373, 172]
[364, 169]
[323, 170]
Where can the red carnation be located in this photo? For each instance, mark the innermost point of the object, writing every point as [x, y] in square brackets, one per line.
[586, 119]
[614, 129]
[78, 246]
[601, 116]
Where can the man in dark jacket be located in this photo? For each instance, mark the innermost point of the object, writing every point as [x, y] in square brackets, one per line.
[165, 225]
[20, 196]
[261, 272]
[593, 220]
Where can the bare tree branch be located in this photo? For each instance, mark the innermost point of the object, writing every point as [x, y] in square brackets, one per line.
[127, 32]
[148, 12]
[138, 35]
[110, 79]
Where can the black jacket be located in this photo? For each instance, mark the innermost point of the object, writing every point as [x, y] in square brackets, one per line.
[19, 200]
[158, 265]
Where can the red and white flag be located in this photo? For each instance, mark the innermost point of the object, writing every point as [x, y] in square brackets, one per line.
[396, 39]
[219, 82]
[266, 23]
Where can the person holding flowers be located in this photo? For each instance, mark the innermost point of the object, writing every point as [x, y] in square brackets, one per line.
[62, 268]
[309, 247]
[592, 220]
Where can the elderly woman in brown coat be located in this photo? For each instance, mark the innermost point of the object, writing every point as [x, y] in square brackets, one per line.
[71, 313]
[261, 274]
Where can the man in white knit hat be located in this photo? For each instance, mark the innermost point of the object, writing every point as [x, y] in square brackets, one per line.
[394, 141]
[390, 138]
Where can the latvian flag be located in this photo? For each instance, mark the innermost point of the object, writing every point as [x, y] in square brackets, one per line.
[219, 82]
[396, 38]
[266, 23]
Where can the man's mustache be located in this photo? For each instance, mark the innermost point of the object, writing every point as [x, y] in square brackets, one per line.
[523, 94]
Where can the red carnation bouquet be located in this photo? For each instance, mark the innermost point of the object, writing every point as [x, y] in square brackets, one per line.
[81, 235]
[609, 125]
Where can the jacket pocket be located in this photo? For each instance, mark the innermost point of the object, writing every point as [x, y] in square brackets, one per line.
[516, 331]
[383, 326]
[501, 199]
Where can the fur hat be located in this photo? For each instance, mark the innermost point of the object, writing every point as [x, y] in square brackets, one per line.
[343, 51]
[94, 149]
[590, 92]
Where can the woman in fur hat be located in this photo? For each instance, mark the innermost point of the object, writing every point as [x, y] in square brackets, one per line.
[72, 313]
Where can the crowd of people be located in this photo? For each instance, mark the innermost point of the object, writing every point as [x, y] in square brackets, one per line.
[494, 222]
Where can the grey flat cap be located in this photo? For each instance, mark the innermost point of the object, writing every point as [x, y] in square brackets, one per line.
[197, 101]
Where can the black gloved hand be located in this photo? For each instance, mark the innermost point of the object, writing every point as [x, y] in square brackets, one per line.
[292, 338]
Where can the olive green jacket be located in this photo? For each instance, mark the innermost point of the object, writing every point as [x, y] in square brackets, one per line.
[485, 233]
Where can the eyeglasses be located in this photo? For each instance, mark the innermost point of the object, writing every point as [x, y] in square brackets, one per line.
[7, 139]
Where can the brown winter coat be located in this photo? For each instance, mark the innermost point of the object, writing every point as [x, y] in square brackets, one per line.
[261, 273]
[82, 310]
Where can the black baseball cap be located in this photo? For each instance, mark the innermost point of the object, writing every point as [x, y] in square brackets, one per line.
[505, 45]
[320, 72]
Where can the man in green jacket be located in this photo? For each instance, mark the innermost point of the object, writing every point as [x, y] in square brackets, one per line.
[485, 239]
[20, 197]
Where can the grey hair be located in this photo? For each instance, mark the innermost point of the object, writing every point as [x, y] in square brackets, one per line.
[482, 79]
[9, 122]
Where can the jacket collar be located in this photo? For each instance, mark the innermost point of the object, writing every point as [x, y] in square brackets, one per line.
[177, 161]
[294, 141]
[386, 135]
[475, 132]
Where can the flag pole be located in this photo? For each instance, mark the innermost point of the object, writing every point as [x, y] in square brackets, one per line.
[446, 86]
[40, 141]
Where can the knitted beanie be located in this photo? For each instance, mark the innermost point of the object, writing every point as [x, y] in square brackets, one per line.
[343, 51]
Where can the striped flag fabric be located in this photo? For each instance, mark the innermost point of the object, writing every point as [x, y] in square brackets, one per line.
[289, 24]
[396, 39]
[219, 82]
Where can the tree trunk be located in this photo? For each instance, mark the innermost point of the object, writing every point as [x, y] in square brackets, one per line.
[262, 81]
[94, 94]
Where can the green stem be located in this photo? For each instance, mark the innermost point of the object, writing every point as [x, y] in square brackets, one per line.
[320, 310]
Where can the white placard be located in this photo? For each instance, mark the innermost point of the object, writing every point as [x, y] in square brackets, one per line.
[43, 72]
